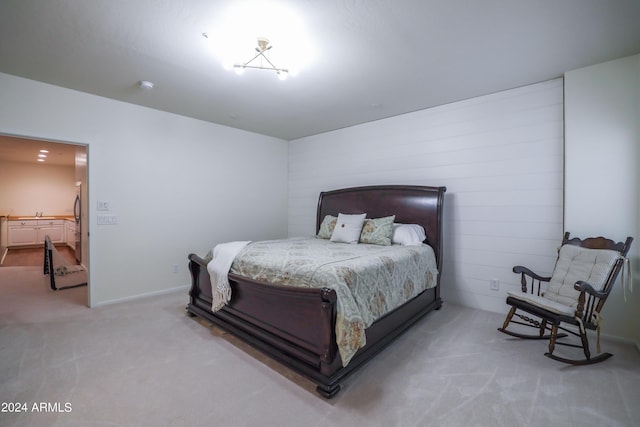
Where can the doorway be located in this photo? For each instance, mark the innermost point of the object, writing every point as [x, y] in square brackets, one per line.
[40, 179]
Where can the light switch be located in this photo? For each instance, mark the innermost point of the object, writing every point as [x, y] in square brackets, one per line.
[103, 206]
[107, 220]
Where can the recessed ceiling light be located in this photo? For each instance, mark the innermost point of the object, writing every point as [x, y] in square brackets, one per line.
[41, 160]
[44, 151]
[42, 156]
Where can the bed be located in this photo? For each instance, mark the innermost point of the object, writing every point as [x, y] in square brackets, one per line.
[296, 326]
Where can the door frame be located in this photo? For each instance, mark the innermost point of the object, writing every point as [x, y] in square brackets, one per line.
[84, 200]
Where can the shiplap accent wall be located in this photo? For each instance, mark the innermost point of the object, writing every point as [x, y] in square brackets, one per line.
[500, 157]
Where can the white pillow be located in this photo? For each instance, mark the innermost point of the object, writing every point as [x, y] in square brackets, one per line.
[408, 234]
[348, 228]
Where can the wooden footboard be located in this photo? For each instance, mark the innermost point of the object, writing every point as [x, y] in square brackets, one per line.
[296, 321]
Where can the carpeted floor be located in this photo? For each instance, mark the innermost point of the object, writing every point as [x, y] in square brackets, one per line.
[144, 363]
[24, 257]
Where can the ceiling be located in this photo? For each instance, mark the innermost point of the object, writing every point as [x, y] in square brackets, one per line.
[373, 58]
[14, 149]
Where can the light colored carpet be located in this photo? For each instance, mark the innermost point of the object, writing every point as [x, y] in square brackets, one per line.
[145, 363]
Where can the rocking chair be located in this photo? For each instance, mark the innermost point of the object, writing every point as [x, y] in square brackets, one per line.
[583, 277]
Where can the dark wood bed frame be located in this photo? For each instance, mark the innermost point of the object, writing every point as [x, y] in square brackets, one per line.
[296, 326]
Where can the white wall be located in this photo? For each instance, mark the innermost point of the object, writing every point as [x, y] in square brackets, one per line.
[500, 157]
[602, 104]
[177, 185]
[26, 188]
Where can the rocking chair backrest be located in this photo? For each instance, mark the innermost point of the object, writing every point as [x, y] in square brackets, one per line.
[609, 258]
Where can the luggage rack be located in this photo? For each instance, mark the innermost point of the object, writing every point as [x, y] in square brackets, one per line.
[62, 274]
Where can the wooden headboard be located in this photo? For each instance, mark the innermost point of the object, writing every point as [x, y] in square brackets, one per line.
[411, 204]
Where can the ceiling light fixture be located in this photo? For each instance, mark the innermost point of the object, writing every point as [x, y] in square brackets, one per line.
[263, 35]
[261, 61]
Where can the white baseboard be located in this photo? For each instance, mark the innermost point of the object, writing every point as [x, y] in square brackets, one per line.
[622, 340]
[145, 295]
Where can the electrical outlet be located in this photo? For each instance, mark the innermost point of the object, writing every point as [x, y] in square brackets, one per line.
[494, 285]
[176, 268]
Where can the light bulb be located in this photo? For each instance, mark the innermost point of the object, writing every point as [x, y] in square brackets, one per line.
[238, 69]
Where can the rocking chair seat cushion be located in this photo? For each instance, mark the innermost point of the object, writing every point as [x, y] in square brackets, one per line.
[544, 303]
[577, 263]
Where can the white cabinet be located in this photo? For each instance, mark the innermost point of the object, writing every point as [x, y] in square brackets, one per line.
[54, 228]
[32, 231]
[22, 233]
[70, 233]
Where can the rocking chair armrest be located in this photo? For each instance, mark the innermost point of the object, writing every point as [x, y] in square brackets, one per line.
[518, 269]
[585, 310]
[583, 286]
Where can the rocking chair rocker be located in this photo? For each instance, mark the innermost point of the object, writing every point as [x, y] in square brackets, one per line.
[583, 277]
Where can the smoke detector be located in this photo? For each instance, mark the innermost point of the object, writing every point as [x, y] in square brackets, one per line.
[145, 85]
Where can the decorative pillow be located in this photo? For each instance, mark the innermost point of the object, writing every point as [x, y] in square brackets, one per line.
[377, 231]
[327, 226]
[348, 228]
[408, 234]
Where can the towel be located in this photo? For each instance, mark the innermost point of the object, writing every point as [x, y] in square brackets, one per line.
[218, 268]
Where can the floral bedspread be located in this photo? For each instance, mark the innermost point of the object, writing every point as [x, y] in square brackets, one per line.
[369, 280]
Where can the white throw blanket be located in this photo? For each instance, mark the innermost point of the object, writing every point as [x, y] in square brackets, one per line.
[218, 268]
